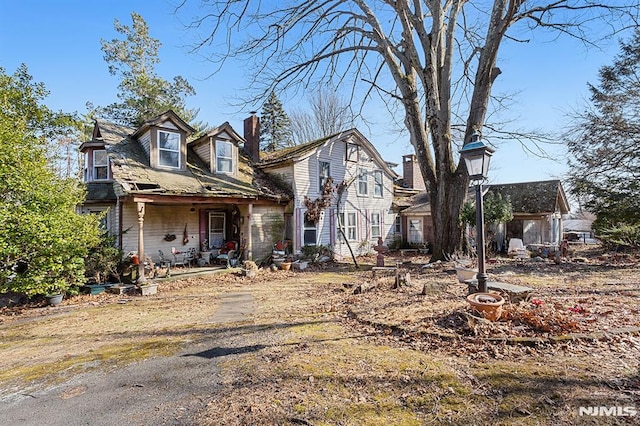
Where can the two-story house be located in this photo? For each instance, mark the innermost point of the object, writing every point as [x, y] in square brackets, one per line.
[365, 208]
[163, 192]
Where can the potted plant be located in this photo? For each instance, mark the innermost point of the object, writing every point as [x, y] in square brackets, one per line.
[286, 265]
[54, 292]
[102, 262]
[489, 305]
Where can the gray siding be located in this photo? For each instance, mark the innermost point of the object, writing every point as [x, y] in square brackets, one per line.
[267, 227]
[145, 141]
[203, 151]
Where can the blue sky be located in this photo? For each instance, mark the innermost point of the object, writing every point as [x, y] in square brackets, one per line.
[59, 41]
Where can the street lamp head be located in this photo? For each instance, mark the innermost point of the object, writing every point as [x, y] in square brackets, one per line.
[476, 156]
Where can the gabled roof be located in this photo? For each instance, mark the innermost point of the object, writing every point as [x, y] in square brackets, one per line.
[294, 152]
[166, 116]
[541, 197]
[534, 197]
[417, 203]
[298, 152]
[223, 128]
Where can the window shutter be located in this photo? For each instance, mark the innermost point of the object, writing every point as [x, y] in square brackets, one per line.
[332, 226]
[298, 229]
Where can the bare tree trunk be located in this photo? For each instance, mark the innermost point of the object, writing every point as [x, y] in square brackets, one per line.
[449, 198]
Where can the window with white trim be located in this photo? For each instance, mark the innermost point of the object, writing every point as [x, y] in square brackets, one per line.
[324, 168]
[375, 225]
[224, 157]
[363, 185]
[398, 225]
[100, 164]
[309, 233]
[348, 221]
[377, 183]
[169, 149]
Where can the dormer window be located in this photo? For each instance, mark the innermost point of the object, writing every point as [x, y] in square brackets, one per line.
[100, 165]
[224, 157]
[169, 149]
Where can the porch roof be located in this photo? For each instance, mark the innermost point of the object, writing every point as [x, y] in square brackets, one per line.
[529, 198]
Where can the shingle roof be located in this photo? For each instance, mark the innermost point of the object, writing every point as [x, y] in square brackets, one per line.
[292, 152]
[526, 197]
[131, 169]
[533, 197]
[299, 151]
[100, 192]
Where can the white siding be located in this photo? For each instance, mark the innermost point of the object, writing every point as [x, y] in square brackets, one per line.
[306, 181]
[169, 125]
[159, 221]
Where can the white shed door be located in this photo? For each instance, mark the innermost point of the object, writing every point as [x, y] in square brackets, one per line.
[415, 231]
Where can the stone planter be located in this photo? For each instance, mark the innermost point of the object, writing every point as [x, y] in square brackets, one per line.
[122, 289]
[300, 265]
[149, 289]
[54, 299]
[489, 305]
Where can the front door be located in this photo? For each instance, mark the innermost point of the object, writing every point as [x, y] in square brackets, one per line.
[216, 229]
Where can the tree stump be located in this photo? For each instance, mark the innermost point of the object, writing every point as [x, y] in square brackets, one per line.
[402, 279]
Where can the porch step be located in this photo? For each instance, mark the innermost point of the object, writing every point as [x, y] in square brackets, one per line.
[515, 292]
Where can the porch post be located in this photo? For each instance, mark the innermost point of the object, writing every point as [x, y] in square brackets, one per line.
[249, 236]
[141, 277]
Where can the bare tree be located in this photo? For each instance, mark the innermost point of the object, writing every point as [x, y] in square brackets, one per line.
[434, 58]
[328, 115]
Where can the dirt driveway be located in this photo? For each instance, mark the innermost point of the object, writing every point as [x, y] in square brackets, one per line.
[302, 348]
[160, 390]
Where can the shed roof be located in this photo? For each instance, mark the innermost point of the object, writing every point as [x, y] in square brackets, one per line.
[534, 197]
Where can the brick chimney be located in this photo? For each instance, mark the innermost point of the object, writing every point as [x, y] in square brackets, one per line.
[252, 137]
[411, 174]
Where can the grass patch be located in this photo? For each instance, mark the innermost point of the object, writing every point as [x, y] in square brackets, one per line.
[105, 357]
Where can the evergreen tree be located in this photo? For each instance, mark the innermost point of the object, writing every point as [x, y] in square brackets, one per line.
[605, 143]
[43, 240]
[275, 125]
[142, 93]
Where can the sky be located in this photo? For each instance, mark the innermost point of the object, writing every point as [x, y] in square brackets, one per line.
[59, 41]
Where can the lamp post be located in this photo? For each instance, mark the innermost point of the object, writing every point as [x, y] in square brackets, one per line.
[476, 156]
